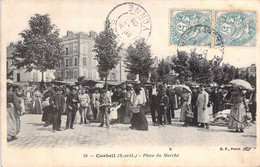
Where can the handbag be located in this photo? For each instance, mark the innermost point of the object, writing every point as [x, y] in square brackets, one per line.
[189, 114]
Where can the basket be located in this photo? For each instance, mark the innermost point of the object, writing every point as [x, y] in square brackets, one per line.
[135, 109]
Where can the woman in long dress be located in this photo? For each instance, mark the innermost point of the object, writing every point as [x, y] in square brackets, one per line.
[37, 102]
[138, 120]
[47, 108]
[186, 107]
[13, 114]
[236, 117]
[201, 103]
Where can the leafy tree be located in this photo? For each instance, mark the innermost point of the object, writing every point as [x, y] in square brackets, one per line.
[40, 48]
[107, 51]
[154, 75]
[218, 75]
[192, 67]
[131, 76]
[182, 66]
[195, 66]
[163, 71]
[205, 74]
[138, 60]
[237, 75]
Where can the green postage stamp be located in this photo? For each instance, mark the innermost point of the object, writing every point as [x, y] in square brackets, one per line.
[236, 28]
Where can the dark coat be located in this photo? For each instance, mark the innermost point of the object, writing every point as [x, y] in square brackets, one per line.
[58, 101]
[72, 101]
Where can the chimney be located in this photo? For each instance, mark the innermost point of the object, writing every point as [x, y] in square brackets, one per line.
[69, 32]
[92, 34]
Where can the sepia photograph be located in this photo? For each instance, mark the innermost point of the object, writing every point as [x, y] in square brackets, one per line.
[129, 83]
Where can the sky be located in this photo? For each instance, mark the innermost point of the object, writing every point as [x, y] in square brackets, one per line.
[80, 15]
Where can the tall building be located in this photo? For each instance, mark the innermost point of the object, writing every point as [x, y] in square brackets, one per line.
[79, 60]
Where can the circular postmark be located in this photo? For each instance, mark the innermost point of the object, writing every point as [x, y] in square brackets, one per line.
[130, 22]
[203, 40]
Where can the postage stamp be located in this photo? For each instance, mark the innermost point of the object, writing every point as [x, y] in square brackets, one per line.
[197, 38]
[130, 22]
[237, 28]
[181, 20]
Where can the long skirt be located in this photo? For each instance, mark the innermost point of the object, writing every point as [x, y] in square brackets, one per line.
[47, 115]
[121, 113]
[13, 122]
[139, 121]
[184, 108]
[236, 118]
[97, 112]
[127, 115]
[203, 115]
[37, 106]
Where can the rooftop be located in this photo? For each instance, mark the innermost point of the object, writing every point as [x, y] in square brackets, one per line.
[70, 35]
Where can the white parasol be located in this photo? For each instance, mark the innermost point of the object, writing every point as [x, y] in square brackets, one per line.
[241, 83]
[179, 88]
[99, 85]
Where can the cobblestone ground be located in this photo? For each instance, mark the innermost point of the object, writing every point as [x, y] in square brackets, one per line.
[33, 134]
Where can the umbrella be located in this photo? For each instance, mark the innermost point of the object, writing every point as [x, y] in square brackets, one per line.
[87, 83]
[241, 83]
[192, 84]
[59, 83]
[99, 85]
[179, 89]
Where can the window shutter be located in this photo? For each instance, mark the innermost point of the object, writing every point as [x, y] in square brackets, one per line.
[70, 61]
[62, 63]
[70, 74]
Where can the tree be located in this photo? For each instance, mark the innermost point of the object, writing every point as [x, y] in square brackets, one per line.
[40, 48]
[163, 71]
[182, 66]
[218, 75]
[138, 60]
[192, 67]
[205, 74]
[154, 74]
[107, 51]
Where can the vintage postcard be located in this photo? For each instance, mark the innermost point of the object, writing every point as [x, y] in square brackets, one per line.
[129, 83]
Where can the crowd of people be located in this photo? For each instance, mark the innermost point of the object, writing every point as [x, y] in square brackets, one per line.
[127, 103]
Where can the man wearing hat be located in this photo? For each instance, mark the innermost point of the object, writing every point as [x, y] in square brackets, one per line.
[163, 107]
[58, 102]
[72, 104]
[104, 107]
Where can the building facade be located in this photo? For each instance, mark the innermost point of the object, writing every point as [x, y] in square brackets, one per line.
[79, 60]
[251, 70]
[19, 75]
